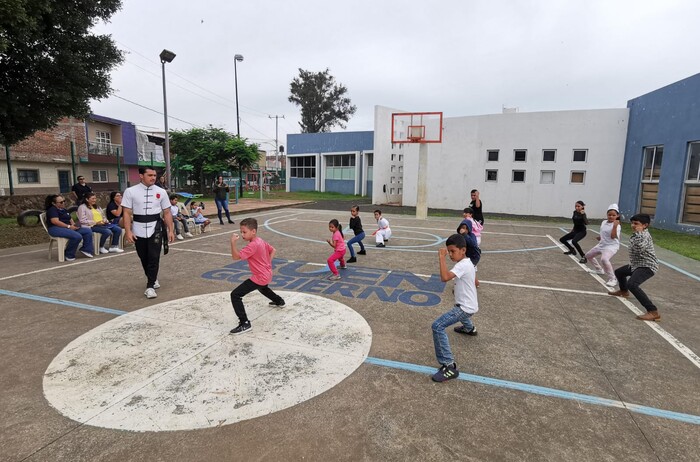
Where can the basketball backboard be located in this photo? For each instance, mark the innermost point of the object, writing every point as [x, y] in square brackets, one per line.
[416, 127]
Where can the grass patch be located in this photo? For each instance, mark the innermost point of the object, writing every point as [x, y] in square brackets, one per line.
[312, 196]
[687, 245]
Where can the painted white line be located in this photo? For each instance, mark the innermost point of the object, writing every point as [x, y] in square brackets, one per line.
[555, 289]
[22, 253]
[675, 343]
[204, 252]
[67, 265]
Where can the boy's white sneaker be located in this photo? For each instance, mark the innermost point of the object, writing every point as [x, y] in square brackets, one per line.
[189, 235]
[156, 285]
[115, 250]
[179, 237]
[103, 250]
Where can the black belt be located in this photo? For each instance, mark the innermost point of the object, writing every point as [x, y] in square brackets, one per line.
[146, 218]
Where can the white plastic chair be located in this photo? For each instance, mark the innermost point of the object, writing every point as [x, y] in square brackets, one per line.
[61, 242]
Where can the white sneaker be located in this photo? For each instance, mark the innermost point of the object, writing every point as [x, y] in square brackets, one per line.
[189, 235]
[156, 285]
[179, 237]
[115, 250]
[150, 293]
[103, 250]
[89, 255]
[611, 283]
[69, 259]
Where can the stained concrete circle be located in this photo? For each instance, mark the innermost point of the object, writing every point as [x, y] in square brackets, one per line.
[174, 366]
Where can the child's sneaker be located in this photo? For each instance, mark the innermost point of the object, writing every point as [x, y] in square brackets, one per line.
[179, 237]
[362, 252]
[380, 245]
[611, 282]
[281, 304]
[334, 277]
[189, 235]
[344, 267]
[242, 328]
[446, 373]
[463, 330]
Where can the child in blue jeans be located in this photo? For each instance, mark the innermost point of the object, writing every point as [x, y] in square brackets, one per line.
[466, 304]
[356, 226]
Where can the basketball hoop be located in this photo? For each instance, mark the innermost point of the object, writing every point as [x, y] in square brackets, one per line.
[416, 127]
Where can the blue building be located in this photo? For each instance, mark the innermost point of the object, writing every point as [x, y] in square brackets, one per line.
[661, 170]
[333, 162]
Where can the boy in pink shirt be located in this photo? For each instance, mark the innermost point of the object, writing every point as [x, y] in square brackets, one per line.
[259, 255]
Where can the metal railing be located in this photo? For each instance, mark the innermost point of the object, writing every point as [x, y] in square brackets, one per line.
[104, 149]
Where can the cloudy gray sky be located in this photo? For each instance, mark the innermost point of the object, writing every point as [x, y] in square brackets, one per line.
[459, 57]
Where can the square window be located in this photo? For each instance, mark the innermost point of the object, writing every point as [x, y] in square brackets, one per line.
[393, 168]
[549, 155]
[392, 191]
[393, 157]
[578, 177]
[580, 155]
[492, 155]
[400, 157]
[520, 155]
[28, 176]
[393, 179]
[547, 177]
[491, 175]
[400, 168]
[518, 176]
[99, 176]
[400, 190]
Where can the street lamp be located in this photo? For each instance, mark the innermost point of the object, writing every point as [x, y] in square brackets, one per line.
[166, 57]
[236, 59]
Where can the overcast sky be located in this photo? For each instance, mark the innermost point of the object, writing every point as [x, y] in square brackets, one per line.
[459, 57]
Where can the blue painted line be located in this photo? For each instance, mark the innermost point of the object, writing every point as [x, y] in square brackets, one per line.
[57, 301]
[544, 391]
[527, 388]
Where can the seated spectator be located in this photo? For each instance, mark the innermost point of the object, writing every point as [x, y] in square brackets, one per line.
[93, 218]
[114, 208]
[178, 218]
[60, 224]
[199, 218]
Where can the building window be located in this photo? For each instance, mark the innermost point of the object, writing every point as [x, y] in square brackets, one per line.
[400, 190]
[578, 177]
[302, 167]
[99, 176]
[547, 177]
[400, 157]
[518, 176]
[340, 167]
[691, 205]
[393, 168]
[491, 175]
[549, 155]
[492, 155]
[520, 155]
[580, 155]
[393, 157]
[103, 137]
[400, 168]
[28, 176]
[652, 163]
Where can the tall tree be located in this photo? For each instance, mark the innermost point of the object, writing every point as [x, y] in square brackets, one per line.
[206, 152]
[51, 65]
[323, 102]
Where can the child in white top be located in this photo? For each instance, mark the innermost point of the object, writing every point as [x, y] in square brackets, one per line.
[383, 233]
[608, 246]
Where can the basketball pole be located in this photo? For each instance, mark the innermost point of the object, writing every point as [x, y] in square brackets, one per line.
[422, 190]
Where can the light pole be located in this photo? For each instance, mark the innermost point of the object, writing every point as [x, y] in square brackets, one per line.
[236, 59]
[166, 57]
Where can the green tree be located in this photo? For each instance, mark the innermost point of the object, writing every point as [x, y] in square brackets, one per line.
[50, 63]
[206, 152]
[323, 102]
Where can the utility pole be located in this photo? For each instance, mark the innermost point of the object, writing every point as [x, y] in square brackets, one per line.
[277, 145]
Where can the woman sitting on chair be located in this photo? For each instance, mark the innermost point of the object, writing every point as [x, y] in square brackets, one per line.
[93, 218]
[60, 224]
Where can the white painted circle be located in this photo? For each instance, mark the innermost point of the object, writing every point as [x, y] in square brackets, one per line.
[174, 366]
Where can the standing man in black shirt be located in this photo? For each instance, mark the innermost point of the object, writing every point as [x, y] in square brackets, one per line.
[80, 189]
[475, 205]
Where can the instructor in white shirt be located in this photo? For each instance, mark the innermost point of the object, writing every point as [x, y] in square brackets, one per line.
[142, 205]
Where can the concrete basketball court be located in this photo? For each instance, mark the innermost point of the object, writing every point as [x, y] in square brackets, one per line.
[92, 370]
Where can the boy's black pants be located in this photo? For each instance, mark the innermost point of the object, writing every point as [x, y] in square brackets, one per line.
[636, 278]
[244, 289]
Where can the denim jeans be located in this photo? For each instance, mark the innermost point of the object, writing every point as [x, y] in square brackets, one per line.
[443, 353]
[107, 231]
[222, 204]
[358, 238]
[74, 238]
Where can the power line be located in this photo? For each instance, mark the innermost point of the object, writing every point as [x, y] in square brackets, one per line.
[156, 111]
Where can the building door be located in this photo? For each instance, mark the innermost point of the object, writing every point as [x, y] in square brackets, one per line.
[64, 181]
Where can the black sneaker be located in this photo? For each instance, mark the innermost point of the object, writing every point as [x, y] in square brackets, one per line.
[380, 245]
[569, 252]
[352, 260]
[231, 222]
[446, 373]
[583, 260]
[362, 252]
[242, 328]
[277, 304]
[463, 330]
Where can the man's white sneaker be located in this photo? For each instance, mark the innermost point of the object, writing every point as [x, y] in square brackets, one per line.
[150, 293]
[189, 235]
[179, 237]
[156, 285]
[115, 250]
[103, 250]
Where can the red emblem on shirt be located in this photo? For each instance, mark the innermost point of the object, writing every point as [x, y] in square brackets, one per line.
[158, 196]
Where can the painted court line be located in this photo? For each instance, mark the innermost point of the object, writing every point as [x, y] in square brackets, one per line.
[555, 289]
[524, 387]
[544, 391]
[673, 341]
